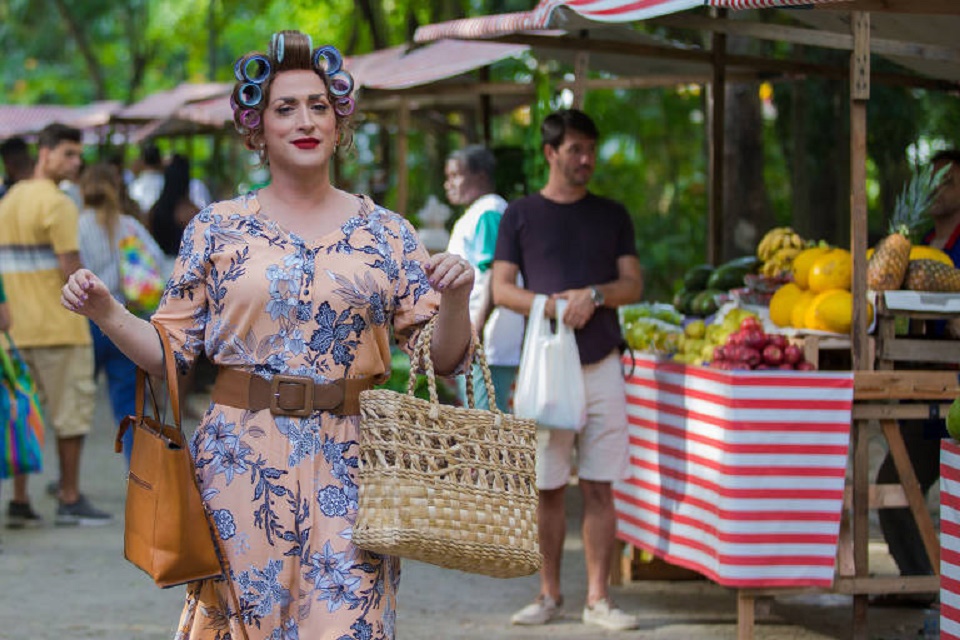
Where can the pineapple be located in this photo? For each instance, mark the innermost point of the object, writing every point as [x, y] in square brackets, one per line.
[888, 265]
[932, 275]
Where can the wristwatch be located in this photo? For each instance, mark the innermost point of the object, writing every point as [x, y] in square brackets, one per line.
[597, 296]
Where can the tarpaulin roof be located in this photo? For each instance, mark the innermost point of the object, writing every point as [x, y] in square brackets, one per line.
[17, 120]
[189, 105]
[543, 16]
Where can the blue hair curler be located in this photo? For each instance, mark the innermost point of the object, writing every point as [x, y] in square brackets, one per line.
[263, 69]
[276, 47]
[341, 83]
[249, 94]
[237, 70]
[328, 60]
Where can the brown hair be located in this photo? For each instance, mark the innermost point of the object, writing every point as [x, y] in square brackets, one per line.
[100, 191]
[255, 72]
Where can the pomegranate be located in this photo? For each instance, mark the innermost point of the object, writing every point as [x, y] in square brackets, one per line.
[754, 339]
[777, 340]
[805, 366]
[751, 323]
[772, 354]
[792, 354]
[750, 357]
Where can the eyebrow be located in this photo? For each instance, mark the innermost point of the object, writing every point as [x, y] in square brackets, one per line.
[310, 98]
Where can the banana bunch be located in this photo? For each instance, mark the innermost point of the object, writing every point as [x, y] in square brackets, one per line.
[781, 262]
[777, 239]
[777, 250]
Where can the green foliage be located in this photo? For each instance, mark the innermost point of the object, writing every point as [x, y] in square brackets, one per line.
[400, 379]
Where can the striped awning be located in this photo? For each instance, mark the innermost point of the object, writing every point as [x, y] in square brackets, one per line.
[543, 16]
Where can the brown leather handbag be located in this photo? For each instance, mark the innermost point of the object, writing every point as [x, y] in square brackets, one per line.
[168, 532]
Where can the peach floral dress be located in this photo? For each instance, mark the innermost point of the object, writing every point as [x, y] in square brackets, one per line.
[283, 490]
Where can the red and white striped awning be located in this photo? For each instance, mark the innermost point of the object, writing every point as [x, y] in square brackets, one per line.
[542, 17]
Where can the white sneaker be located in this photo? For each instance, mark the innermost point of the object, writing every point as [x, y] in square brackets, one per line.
[540, 611]
[609, 616]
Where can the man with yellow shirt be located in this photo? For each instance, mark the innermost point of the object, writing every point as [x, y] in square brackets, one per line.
[38, 251]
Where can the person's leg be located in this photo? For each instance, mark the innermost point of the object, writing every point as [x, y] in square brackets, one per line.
[69, 450]
[603, 457]
[554, 449]
[898, 526]
[121, 375]
[599, 531]
[503, 381]
[552, 531]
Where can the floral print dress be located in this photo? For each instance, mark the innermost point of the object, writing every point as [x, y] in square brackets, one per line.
[283, 490]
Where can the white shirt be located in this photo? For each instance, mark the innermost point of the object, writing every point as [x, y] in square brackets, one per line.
[474, 238]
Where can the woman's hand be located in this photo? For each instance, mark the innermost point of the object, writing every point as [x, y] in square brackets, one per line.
[86, 294]
[450, 274]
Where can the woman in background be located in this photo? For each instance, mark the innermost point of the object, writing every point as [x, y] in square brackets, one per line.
[174, 208]
[101, 228]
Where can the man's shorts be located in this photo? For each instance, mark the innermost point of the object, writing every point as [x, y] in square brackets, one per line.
[601, 446]
[64, 379]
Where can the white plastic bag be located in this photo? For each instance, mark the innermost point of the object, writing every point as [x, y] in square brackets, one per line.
[550, 382]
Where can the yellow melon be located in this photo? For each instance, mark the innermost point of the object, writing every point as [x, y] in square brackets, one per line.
[781, 304]
[923, 252]
[832, 310]
[802, 263]
[799, 312]
[832, 270]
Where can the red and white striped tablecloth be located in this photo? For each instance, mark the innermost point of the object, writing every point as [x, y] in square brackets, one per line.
[737, 474]
[949, 539]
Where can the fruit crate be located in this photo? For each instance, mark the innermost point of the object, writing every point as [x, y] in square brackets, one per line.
[905, 335]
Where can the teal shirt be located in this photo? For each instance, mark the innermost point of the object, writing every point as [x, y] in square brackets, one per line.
[3, 295]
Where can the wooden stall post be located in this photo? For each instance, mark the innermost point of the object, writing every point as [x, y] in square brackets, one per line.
[582, 64]
[859, 95]
[403, 143]
[717, 99]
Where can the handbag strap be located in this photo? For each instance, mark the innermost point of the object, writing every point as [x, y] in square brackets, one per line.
[421, 356]
[143, 383]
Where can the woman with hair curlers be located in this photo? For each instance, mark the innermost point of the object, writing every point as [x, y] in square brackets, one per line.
[293, 291]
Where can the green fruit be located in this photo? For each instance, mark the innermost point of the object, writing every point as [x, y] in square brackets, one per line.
[696, 278]
[953, 420]
[705, 302]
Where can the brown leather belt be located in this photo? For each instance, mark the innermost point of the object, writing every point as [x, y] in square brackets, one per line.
[288, 395]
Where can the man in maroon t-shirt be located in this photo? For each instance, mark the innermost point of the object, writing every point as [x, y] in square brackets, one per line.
[568, 243]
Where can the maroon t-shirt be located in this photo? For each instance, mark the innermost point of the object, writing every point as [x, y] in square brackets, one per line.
[570, 246]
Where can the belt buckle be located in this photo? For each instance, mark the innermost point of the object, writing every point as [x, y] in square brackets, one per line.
[301, 381]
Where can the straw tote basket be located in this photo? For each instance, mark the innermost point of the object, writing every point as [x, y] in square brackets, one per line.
[450, 486]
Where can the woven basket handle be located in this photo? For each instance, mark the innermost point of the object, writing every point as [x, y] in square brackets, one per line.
[421, 355]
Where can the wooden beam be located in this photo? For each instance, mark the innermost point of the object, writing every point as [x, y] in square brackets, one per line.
[811, 37]
[887, 584]
[580, 69]
[403, 168]
[913, 491]
[756, 63]
[905, 385]
[898, 411]
[718, 107]
[859, 95]
[924, 7]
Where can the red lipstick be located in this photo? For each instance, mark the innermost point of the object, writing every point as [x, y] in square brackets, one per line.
[306, 143]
